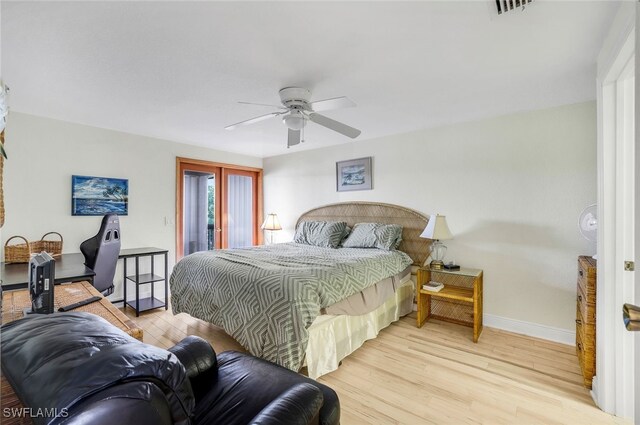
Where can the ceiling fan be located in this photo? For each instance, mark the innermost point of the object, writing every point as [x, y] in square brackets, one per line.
[297, 110]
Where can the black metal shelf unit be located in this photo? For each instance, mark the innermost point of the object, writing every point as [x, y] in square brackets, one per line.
[148, 303]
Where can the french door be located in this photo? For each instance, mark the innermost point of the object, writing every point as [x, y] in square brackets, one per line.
[217, 206]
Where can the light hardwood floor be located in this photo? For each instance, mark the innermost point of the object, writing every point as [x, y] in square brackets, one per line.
[435, 375]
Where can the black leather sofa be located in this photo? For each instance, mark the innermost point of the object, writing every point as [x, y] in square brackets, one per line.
[76, 368]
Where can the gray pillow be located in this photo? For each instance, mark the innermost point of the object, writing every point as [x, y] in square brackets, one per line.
[396, 245]
[345, 234]
[374, 235]
[326, 234]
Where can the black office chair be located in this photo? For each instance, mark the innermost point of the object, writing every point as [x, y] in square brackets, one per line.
[101, 253]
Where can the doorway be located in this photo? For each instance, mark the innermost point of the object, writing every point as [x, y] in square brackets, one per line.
[218, 206]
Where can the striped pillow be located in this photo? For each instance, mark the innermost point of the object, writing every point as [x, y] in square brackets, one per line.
[327, 234]
[374, 235]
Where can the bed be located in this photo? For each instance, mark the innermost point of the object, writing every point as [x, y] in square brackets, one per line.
[287, 302]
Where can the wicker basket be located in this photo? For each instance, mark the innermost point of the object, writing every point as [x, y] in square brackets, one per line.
[20, 253]
[54, 248]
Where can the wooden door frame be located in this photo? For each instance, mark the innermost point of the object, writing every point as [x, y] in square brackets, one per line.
[206, 166]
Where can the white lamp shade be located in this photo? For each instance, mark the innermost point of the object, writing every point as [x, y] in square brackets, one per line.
[437, 228]
[271, 223]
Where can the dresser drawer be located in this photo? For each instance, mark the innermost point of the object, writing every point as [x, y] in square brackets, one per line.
[585, 347]
[586, 318]
[587, 276]
[580, 346]
[583, 327]
[587, 307]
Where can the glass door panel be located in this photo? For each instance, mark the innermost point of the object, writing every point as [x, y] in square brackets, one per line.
[199, 218]
[240, 211]
[240, 226]
[213, 230]
[199, 212]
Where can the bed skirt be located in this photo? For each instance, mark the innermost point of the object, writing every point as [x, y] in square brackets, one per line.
[332, 338]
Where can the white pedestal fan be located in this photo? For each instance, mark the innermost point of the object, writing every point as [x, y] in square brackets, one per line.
[588, 223]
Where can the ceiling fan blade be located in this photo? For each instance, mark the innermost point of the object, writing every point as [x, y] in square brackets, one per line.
[263, 104]
[334, 103]
[294, 138]
[334, 125]
[252, 120]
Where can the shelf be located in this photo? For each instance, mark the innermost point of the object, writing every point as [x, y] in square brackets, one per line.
[452, 292]
[461, 272]
[141, 252]
[145, 278]
[147, 304]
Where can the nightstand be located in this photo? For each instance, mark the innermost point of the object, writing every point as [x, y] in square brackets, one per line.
[460, 301]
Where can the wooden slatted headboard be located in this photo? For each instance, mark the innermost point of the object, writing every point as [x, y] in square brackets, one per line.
[412, 222]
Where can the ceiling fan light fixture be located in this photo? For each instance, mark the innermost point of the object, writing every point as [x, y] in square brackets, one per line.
[295, 121]
[297, 109]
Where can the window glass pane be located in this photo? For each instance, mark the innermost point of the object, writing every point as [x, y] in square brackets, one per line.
[198, 226]
[211, 212]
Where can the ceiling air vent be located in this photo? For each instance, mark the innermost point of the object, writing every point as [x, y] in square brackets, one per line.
[509, 5]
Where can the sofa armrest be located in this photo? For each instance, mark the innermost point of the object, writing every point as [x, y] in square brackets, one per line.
[200, 361]
[196, 355]
[299, 405]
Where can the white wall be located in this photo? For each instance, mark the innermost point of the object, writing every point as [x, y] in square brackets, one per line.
[512, 189]
[45, 153]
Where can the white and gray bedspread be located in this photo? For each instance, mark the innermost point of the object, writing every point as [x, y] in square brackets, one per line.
[266, 297]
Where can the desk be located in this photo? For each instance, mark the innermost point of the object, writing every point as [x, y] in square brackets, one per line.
[69, 268]
[14, 303]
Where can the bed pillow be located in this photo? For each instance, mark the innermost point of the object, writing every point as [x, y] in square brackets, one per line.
[327, 234]
[345, 235]
[374, 235]
[396, 245]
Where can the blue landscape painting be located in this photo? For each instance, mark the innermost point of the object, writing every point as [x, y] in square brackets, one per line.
[99, 196]
[353, 175]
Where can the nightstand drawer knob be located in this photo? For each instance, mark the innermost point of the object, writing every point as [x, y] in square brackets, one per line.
[581, 273]
[580, 298]
[579, 346]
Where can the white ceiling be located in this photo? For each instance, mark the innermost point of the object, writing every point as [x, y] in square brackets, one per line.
[176, 70]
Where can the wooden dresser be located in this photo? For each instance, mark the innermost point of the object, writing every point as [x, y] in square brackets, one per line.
[586, 318]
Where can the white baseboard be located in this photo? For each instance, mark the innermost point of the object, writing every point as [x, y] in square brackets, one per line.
[594, 390]
[536, 330]
[530, 329]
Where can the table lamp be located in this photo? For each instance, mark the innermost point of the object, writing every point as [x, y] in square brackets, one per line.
[271, 224]
[437, 230]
